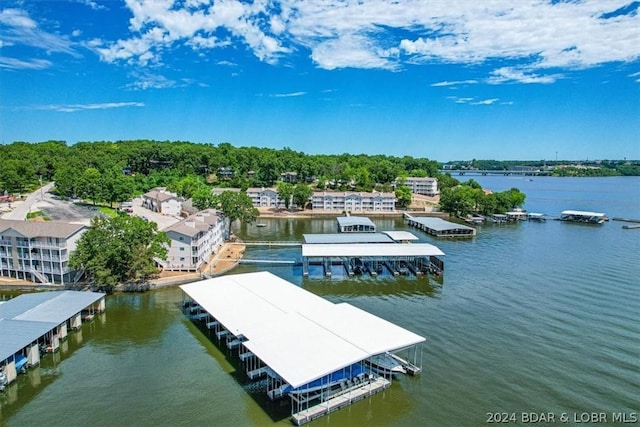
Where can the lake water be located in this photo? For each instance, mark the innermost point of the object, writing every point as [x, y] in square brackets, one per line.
[529, 317]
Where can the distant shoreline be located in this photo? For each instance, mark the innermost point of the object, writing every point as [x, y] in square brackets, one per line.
[270, 214]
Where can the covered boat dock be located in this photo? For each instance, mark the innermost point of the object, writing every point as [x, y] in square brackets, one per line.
[35, 323]
[583, 216]
[355, 224]
[319, 354]
[370, 253]
[440, 228]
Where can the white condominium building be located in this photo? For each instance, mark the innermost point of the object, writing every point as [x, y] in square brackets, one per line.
[193, 241]
[39, 251]
[265, 197]
[353, 201]
[424, 186]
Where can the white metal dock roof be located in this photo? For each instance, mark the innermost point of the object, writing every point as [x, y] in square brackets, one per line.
[299, 335]
[27, 317]
[399, 236]
[440, 224]
[345, 221]
[370, 250]
[582, 213]
[342, 238]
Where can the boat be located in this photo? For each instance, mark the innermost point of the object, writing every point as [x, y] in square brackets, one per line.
[584, 217]
[261, 224]
[21, 363]
[385, 363]
[344, 377]
[3, 380]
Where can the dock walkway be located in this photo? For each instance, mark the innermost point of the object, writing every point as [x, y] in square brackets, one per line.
[340, 401]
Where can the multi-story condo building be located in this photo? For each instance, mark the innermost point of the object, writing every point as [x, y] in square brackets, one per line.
[353, 201]
[39, 251]
[162, 201]
[424, 186]
[265, 197]
[193, 241]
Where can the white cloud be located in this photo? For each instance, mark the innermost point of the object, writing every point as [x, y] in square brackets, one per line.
[540, 38]
[485, 101]
[69, 108]
[472, 101]
[146, 80]
[19, 29]
[288, 95]
[454, 83]
[30, 64]
[511, 75]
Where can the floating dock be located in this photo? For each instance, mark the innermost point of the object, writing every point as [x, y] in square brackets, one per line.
[439, 227]
[316, 353]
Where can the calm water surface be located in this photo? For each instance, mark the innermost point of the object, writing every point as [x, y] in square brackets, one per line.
[531, 317]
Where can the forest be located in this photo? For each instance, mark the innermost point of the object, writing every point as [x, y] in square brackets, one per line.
[147, 164]
[111, 172]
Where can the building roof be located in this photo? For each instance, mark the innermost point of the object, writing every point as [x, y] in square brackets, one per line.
[420, 178]
[300, 336]
[196, 223]
[160, 194]
[440, 224]
[370, 250]
[344, 238]
[41, 229]
[345, 221]
[351, 193]
[29, 316]
[261, 190]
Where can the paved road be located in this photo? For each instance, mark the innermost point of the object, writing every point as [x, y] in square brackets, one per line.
[22, 208]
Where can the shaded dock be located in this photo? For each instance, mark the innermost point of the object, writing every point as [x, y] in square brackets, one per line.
[439, 227]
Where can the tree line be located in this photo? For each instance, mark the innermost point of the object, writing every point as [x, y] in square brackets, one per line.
[155, 163]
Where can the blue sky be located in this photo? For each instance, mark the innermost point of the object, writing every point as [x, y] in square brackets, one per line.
[438, 79]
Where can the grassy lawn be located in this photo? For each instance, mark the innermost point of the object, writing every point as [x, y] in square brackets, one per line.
[108, 211]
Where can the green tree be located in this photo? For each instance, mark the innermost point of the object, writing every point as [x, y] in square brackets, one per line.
[89, 185]
[237, 205]
[460, 200]
[403, 196]
[285, 191]
[301, 194]
[186, 186]
[116, 186]
[203, 198]
[119, 250]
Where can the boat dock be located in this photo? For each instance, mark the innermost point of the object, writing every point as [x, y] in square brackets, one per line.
[345, 398]
[370, 253]
[31, 324]
[439, 227]
[584, 217]
[318, 354]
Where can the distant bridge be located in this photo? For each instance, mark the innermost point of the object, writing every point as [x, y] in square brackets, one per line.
[496, 172]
